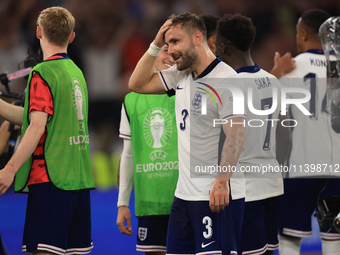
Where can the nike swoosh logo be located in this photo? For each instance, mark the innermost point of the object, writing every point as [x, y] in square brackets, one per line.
[205, 245]
[178, 88]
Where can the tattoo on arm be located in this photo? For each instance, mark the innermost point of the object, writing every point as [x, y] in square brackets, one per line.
[231, 151]
[224, 184]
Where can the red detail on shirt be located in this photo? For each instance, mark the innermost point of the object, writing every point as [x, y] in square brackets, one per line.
[40, 100]
[54, 57]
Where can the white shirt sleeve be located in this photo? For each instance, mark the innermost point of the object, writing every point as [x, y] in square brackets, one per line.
[225, 109]
[126, 174]
[124, 128]
[170, 77]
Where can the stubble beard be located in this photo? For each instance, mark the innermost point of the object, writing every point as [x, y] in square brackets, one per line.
[189, 57]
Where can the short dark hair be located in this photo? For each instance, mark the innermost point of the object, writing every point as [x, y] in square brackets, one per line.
[189, 21]
[210, 22]
[237, 29]
[313, 19]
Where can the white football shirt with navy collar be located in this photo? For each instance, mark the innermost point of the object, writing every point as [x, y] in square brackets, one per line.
[197, 138]
[315, 145]
[259, 146]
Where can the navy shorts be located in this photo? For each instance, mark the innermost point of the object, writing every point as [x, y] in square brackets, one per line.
[3, 250]
[195, 229]
[299, 202]
[151, 235]
[260, 226]
[57, 221]
[237, 210]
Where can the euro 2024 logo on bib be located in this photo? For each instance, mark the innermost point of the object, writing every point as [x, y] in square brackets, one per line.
[78, 100]
[157, 127]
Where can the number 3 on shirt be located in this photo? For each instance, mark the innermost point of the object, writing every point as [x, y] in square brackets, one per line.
[185, 114]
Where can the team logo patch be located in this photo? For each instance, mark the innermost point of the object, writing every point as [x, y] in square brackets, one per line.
[197, 101]
[142, 233]
[157, 127]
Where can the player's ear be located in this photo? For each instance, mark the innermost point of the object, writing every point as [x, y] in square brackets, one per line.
[304, 34]
[211, 43]
[73, 34]
[197, 38]
[39, 32]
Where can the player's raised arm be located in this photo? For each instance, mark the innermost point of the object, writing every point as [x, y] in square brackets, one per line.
[282, 65]
[219, 193]
[143, 79]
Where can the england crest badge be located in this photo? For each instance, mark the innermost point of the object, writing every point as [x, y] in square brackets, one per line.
[197, 101]
[142, 233]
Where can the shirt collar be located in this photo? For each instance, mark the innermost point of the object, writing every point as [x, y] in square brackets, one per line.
[58, 56]
[249, 69]
[208, 69]
[315, 51]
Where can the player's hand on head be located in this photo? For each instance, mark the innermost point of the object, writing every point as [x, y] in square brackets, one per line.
[219, 195]
[123, 216]
[6, 179]
[159, 39]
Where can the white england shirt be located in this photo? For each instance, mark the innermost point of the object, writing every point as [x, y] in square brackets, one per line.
[197, 138]
[315, 145]
[259, 147]
[124, 128]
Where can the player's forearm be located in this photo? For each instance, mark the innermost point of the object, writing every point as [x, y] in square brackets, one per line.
[143, 72]
[231, 149]
[4, 136]
[126, 174]
[26, 147]
[276, 72]
[11, 113]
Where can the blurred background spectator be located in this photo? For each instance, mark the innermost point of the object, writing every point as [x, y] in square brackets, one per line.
[111, 36]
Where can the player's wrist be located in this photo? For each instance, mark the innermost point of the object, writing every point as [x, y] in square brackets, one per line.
[154, 50]
[11, 168]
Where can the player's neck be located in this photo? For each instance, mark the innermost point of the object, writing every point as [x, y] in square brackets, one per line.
[239, 59]
[313, 45]
[51, 50]
[205, 58]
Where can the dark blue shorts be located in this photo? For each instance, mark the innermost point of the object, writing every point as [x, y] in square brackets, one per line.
[3, 250]
[195, 229]
[299, 202]
[57, 221]
[151, 235]
[260, 226]
[237, 210]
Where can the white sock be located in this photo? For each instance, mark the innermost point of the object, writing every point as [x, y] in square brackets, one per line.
[330, 247]
[289, 245]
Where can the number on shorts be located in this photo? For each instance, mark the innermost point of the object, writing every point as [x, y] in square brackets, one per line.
[208, 224]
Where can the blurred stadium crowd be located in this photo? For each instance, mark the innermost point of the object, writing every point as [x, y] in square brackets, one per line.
[112, 35]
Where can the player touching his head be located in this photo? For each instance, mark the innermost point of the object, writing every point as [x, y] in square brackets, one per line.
[235, 35]
[200, 221]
